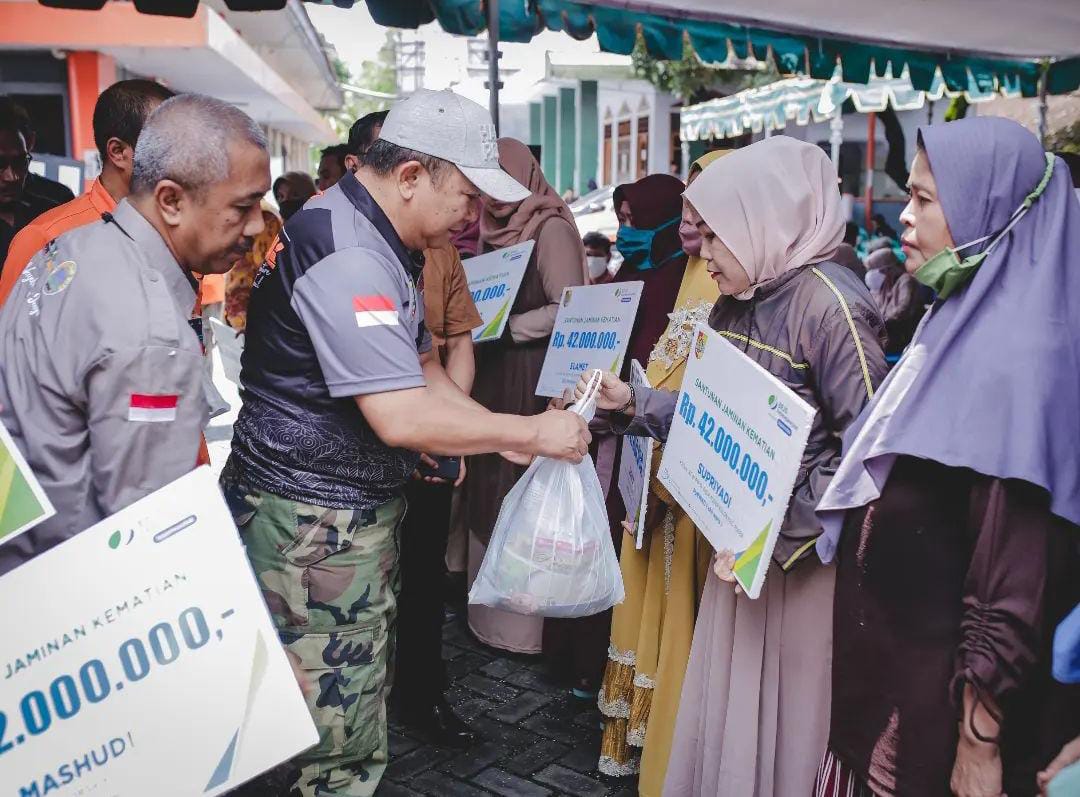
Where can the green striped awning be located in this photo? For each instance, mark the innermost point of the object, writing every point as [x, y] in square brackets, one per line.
[971, 48]
[817, 56]
[805, 100]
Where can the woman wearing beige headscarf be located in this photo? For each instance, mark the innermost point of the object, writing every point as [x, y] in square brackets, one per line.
[507, 370]
[753, 715]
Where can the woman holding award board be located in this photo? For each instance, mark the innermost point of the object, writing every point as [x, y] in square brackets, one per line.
[753, 714]
[507, 370]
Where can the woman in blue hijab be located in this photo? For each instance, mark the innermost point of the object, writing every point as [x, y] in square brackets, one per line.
[953, 516]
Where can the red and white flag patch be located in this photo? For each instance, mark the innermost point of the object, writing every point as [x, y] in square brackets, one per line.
[375, 311]
[152, 408]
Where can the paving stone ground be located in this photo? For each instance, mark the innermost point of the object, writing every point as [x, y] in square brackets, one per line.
[538, 740]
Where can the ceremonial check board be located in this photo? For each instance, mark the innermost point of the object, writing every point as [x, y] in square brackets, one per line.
[145, 662]
[23, 504]
[635, 467]
[494, 281]
[734, 452]
[592, 331]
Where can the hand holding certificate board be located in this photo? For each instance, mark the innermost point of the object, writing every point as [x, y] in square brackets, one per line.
[23, 504]
[151, 666]
[592, 330]
[734, 452]
[494, 281]
[635, 467]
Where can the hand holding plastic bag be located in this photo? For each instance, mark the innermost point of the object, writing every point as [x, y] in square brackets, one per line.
[551, 552]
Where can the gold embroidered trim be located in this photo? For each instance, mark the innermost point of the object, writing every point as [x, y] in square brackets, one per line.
[674, 345]
[616, 688]
[622, 657]
[612, 709]
[757, 344]
[640, 707]
[851, 328]
[669, 547]
[616, 756]
[795, 556]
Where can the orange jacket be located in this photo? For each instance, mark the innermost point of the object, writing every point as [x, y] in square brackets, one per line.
[32, 238]
[212, 289]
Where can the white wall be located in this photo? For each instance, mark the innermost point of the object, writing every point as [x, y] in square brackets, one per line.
[514, 121]
[299, 153]
[623, 99]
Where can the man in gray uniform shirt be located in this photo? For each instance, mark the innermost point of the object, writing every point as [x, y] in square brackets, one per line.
[340, 391]
[101, 373]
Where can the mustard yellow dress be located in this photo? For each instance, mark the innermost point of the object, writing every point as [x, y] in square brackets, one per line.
[652, 629]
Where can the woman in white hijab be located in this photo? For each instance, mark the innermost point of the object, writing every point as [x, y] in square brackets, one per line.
[754, 710]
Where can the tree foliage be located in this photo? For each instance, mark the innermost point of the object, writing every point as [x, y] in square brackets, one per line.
[1065, 139]
[378, 75]
[958, 108]
[692, 80]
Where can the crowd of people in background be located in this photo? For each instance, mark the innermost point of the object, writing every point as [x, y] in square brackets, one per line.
[904, 638]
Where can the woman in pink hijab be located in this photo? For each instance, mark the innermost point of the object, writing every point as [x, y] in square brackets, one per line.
[755, 701]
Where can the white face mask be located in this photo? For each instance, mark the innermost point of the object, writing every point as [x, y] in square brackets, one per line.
[597, 266]
[875, 279]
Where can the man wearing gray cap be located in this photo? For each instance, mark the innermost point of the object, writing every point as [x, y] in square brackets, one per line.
[340, 391]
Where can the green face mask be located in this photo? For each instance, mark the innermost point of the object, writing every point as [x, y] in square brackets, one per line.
[945, 271]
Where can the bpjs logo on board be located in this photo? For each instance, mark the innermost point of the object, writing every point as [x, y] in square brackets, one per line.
[779, 412]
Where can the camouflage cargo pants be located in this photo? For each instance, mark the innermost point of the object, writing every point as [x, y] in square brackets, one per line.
[330, 581]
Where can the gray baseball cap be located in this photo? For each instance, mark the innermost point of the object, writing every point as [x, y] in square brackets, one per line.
[448, 126]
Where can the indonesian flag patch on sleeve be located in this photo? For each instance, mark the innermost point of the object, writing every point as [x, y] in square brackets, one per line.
[152, 408]
[375, 311]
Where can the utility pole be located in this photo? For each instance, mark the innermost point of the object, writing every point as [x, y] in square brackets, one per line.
[493, 84]
[1043, 125]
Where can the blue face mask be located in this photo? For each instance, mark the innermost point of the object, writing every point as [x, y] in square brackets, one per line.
[636, 245]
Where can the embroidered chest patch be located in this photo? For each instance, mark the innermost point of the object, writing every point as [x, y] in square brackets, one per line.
[58, 277]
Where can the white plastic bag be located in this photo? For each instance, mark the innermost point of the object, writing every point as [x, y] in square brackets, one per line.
[551, 552]
[230, 346]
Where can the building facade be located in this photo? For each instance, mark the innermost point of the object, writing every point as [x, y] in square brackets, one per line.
[596, 123]
[273, 65]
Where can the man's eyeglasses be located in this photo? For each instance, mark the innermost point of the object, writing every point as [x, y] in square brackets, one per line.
[19, 164]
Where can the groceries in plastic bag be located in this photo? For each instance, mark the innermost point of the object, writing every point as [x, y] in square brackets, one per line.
[551, 552]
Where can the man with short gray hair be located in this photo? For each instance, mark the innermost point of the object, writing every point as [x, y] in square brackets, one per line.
[101, 372]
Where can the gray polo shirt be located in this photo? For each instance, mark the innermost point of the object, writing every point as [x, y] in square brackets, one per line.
[335, 313]
[101, 376]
